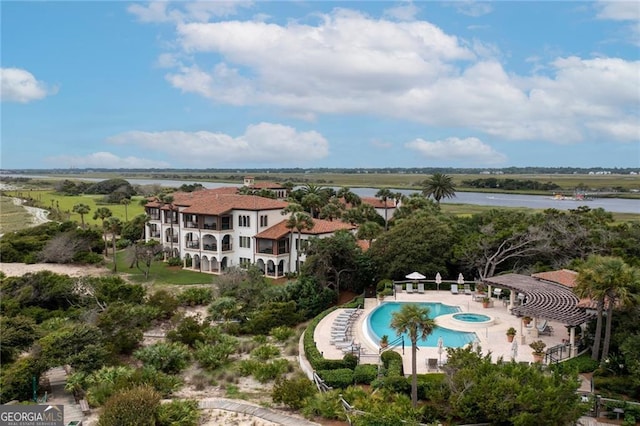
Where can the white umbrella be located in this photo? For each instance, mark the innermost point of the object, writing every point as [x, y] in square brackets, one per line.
[440, 349]
[438, 280]
[514, 350]
[415, 276]
[460, 279]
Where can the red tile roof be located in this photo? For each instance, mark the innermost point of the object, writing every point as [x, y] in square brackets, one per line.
[320, 226]
[378, 203]
[267, 185]
[565, 277]
[364, 244]
[223, 203]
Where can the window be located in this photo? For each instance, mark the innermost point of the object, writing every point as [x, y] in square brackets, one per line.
[245, 242]
[303, 243]
[245, 262]
[263, 220]
[244, 221]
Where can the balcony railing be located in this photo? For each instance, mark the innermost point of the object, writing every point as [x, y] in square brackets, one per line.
[193, 244]
[154, 234]
[210, 247]
[210, 226]
[190, 224]
[227, 247]
[154, 217]
[172, 240]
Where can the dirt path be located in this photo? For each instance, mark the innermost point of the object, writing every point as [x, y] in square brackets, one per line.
[19, 269]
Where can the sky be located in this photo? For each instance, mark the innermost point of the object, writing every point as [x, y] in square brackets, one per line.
[270, 84]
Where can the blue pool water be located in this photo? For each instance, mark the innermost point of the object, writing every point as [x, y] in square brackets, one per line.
[466, 317]
[379, 321]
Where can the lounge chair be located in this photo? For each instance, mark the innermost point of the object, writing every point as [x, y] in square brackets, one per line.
[467, 289]
[398, 288]
[497, 292]
[454, 289]
[432, 364]
[544, 328]
[420, 288]
[409, 287]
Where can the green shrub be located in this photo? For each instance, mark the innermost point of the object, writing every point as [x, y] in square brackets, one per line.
[340, 378]
[392, 362]
[324, 404]
[174, 261]
[169, 358]
[195, 296]
[212, 356]
[137, 406]
[178, 413]
[165, 302]
[189, 331]
[396, 384]
[292, 392]
[265, 352]
[430, 385]
[15, 380]
[264, 371]
[350, 361]
[583, 364]
[365, 373]
[282, 333]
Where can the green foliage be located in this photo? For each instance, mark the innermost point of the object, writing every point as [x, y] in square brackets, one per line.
[292, 392]
[272, 314]
[15, 379]
[18, 333]
[196, 296]
[340, 378]
[581, 364]
[324, 404]
[365, 374]
[174, 261]
[265, 352]
[42, 289]
[170, 358]
[165, 302]
[189, 331]
[391, 359]
[137, 406]
[123, 325]
[212, 355]
[79, 345]
[264, 371]
[310, 296]
[350, 361]
[115, 289]
[178, 413]
[282, 333]
[383, 408]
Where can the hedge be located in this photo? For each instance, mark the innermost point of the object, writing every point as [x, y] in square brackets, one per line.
[364, 374]
[340, 378]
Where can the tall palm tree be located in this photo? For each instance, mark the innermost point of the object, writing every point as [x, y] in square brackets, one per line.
[369, 231]
[612, 280]
[103, 213]
[413, 320]
[587, 287]
[349, 196]
[125, 202]
[81, 209]
[113, 225]
[439, 186]
[299, 221]
[384, 195]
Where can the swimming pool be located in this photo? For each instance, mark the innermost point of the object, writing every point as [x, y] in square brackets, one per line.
[467, 317]
[379, 320]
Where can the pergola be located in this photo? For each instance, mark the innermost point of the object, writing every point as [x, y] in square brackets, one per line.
[543, 299]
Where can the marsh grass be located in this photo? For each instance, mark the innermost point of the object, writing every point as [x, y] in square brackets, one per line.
[12, 217]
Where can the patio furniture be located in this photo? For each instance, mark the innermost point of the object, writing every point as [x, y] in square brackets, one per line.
[398, 288]
[409, 287]
[420, 288]
[454, 289]
[497, 292]
[467, 289]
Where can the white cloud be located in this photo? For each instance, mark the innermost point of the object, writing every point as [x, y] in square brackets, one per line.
[20, 85]
[405, 12]
[261, 143]
[350, 63]
[626, 10]
[469, 150]
[472, 8]
[106, 160]
[200, 11]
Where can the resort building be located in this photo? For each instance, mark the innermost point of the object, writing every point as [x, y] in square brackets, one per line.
[213, 229]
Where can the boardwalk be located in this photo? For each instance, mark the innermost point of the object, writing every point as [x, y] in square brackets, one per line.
[253, 410]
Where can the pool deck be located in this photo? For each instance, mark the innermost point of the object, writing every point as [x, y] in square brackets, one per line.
[490, 337]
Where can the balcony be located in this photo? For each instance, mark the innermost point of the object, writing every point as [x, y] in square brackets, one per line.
[227, 247]
[191, 225]
[210, 247]
[154, 216]
[154, 234]
[212, 226]
[192, 245]
[172, 240]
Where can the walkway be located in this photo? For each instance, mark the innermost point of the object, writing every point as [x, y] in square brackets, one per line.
[253, 410]
[58, 396]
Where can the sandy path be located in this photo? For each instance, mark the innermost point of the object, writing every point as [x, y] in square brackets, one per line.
[19, 269]
[39, 216]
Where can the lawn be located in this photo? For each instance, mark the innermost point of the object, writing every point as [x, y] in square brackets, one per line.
[64, 203]
[160, 273]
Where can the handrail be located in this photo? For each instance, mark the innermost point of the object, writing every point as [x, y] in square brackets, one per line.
[393, 344]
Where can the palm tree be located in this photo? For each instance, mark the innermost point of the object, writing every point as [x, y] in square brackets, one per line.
[349, 196]
[125, 202]
[114, 226]
[439, 186]
[369, 231]
[313, 202]
[299, 221]
[384, 195]
[414, 320]
[608, 280]
[331, 211]
[103, 213]
[81, 209]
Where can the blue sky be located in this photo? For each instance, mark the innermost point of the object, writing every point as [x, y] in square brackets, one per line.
[320, 84]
